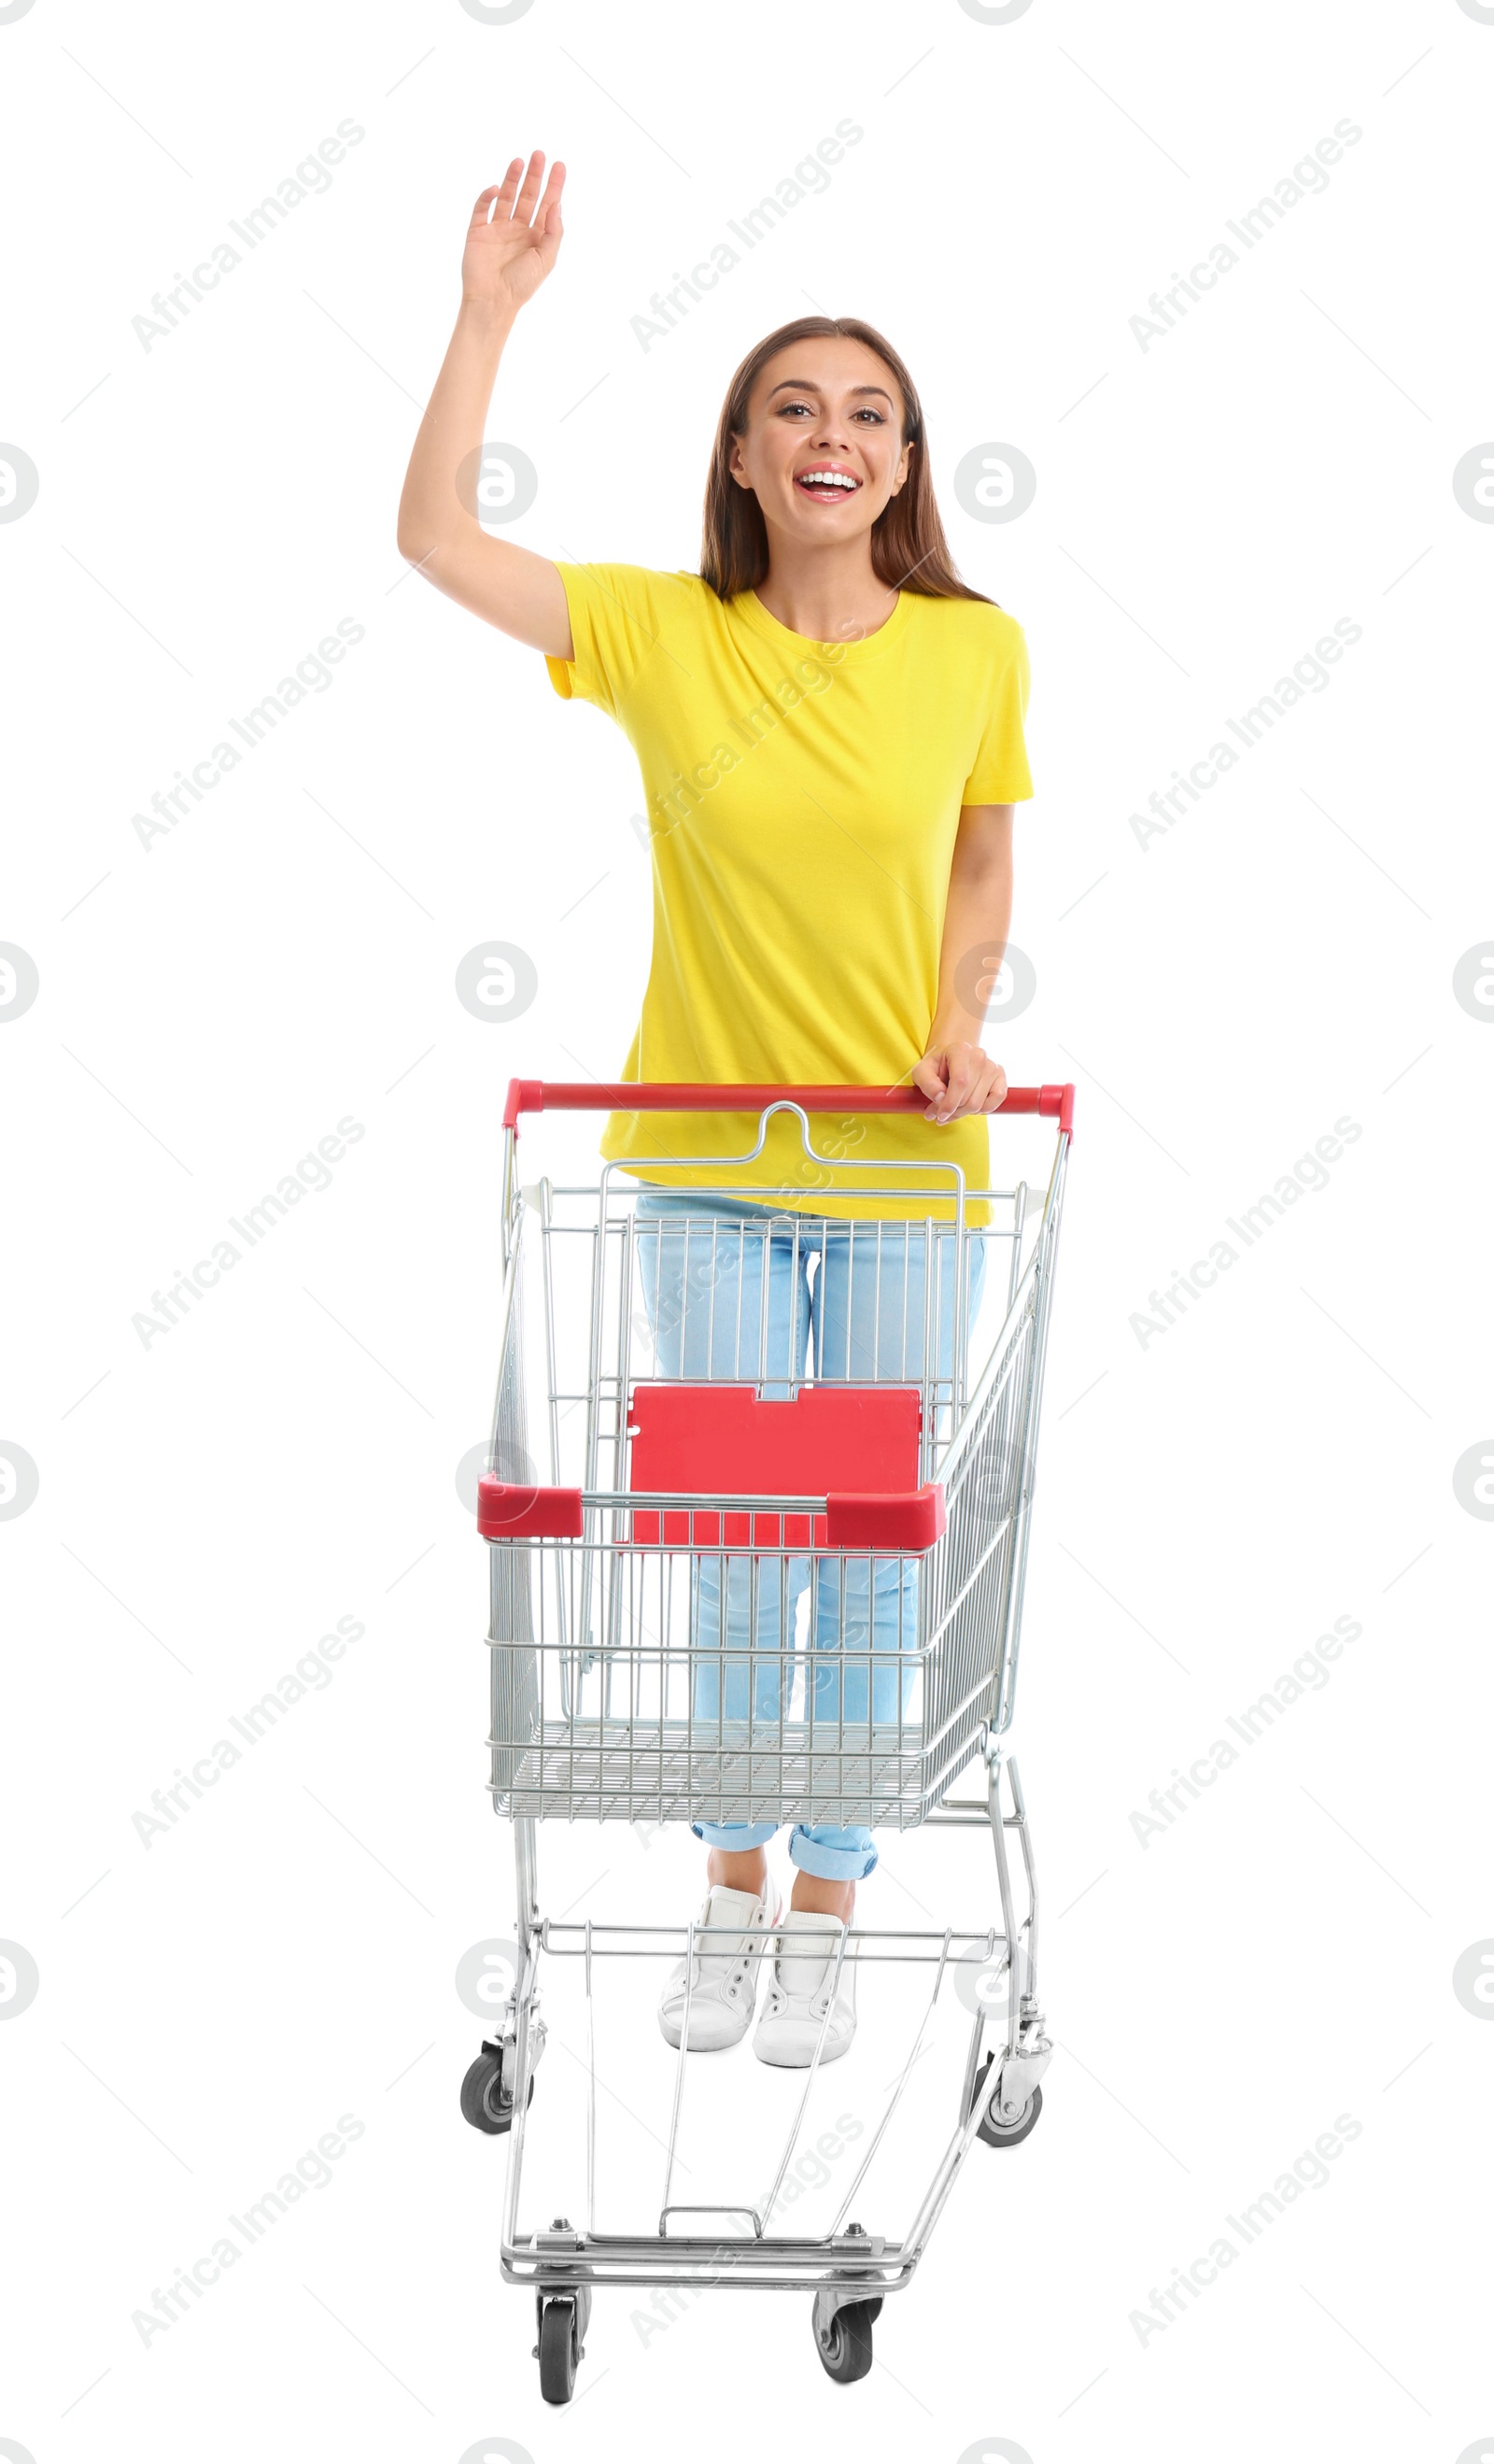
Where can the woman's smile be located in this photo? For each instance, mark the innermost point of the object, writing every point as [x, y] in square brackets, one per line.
[826, 483]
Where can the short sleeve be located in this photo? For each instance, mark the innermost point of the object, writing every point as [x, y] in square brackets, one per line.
[616, 614]
[999, 774]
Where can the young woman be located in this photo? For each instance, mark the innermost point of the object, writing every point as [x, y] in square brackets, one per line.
[829, 728]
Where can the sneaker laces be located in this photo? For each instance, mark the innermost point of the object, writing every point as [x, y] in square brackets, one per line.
[734, 1964]
[805, 1974]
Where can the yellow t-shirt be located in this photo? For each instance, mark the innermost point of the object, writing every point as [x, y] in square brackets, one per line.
[803, 799]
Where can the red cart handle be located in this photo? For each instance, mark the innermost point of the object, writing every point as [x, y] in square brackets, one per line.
[568, 1095]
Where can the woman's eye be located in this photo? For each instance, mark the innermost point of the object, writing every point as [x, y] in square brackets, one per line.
[862, 412]
[865, 411]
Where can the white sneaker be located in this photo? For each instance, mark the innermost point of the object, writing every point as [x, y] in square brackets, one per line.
[799, 1996]
[724, 1990]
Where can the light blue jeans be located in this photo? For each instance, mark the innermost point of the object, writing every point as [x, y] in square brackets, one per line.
[706, 1264]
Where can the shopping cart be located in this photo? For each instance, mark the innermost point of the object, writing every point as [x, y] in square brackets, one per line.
[621, 1692]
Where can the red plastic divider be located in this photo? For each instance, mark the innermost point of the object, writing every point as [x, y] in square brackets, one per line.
[730, 1440]
[513, 1511]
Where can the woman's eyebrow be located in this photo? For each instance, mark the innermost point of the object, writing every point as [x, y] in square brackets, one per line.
[807, 384]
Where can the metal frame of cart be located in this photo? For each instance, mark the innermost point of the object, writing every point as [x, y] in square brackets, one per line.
[600, 1649]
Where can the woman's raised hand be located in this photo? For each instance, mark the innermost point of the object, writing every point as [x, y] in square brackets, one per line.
[506, 259]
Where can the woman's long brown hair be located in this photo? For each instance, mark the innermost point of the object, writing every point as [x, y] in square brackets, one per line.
[908, 548]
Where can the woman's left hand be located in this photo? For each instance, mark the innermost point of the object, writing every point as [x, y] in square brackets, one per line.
[959, 1080]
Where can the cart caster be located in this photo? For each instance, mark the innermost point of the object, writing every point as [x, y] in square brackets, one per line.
[842, 2339]
[483, 2102]
[563, 2319]
[997, 2132]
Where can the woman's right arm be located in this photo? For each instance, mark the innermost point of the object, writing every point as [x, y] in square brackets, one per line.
[503, 265]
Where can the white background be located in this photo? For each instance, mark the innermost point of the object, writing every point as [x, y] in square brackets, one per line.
[1209, 1502]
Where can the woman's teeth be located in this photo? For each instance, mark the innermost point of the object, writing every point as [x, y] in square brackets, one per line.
[827, 483]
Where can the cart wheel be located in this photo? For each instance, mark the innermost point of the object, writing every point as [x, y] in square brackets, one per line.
[559, 2348]
[1001, 2133]
[844, 2344]
[482, 2098]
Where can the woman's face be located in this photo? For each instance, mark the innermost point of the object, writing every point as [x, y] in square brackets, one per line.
[823, 450]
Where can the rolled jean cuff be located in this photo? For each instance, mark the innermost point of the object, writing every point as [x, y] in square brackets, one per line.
[836, 1856]
[735, 1834]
